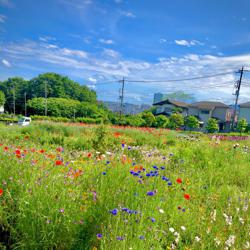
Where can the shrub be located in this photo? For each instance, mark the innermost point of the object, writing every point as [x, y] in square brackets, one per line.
[212, 125]
[176, 121]
[191, 122]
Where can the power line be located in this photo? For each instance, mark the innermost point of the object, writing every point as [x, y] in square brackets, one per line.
[184, 79]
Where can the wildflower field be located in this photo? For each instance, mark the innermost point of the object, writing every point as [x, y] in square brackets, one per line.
[69, 186]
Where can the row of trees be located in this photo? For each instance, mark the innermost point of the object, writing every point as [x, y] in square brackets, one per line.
[18, 90]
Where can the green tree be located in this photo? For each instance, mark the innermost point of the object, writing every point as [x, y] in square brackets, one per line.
[161, 121]
[242, 125]
[176, 121]
[149, 118]
[191, 122]
[14, 90]
[212, 125]
[2, 98]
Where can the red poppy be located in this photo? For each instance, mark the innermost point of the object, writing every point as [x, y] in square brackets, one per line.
[179, 180]
[42, 151]
[6, 148]
[187, 196]
[89, 155]
[18, 152]
[59, 163]
[1, 192]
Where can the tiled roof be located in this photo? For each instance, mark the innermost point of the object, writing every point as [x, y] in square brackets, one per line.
[208, 105]
[176, 103]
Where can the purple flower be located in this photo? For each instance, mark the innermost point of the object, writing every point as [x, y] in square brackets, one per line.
[99, 236]
[61, 210]
[114, 211]
[150, 193]
[119, 238]
[141, 237]
[104, 173]
[152, 219]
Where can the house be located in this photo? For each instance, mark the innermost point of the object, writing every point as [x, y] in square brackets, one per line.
[244, 111]
[205, 110]
[168, 106]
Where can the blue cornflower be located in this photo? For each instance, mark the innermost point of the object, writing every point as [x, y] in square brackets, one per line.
[155, 167]
[162, 168]
[152, 219]
[150, 193]
[114, 211]
[169, 183]
[104, 173]
[107, 162]
[148, 175]
[133, 164]
[141, 237]
[99, 236]
[123, 145]
[119, 238]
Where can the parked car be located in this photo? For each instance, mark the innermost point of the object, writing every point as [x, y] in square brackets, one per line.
[24, 121]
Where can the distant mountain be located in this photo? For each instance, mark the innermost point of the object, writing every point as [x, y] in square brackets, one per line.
[128, 108]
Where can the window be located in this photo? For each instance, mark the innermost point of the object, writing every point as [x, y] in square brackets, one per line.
[205, 112]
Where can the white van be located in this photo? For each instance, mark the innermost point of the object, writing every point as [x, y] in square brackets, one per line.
[24, 121]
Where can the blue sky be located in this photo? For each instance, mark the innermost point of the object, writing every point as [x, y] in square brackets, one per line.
[98, 42]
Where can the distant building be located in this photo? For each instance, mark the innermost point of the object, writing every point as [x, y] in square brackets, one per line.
[244, 111]
[205, 110]
[168, 106]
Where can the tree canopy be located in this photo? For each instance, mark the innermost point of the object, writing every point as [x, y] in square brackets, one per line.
[50, 84]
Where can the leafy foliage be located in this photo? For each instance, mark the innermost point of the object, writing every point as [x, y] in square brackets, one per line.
[212, 125]
[2, 98]
[176, 121]
[161, 121]
[191, 122]
[54, 85]
[242, 125]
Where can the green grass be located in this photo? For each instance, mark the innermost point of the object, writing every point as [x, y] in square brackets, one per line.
[65, 206]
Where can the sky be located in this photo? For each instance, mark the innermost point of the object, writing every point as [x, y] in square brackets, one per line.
[98, 42]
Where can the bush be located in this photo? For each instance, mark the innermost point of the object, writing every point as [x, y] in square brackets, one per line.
[212, 125]
[191, 122]
[161, 121]
[176, 121]
[242, 125]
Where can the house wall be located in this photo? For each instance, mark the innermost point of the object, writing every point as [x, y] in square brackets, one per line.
[220, 113]
[193, 111]
[245, 113]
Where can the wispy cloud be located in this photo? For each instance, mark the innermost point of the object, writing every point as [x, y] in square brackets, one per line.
[111, 53]
[128, 14]
[6, 3]
[188, 43]
[163, 40]
[2, 18]
[106, 41]
[47, 38]
[82, 64]
[6, 63]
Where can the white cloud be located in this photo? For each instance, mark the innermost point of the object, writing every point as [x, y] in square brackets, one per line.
[80, 64]
[106, 41]
[91, 86]
[188, 43]
[47, 38]
[71, 52]
[111, 53]
[6, 3]
[128, 14]
[163, 40]
[2, 18]
[91, 79]
[6, 63]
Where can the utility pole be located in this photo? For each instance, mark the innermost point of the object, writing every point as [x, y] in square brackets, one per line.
[14, 100]
[45, 95]
[122, 97]
[237, 93]
[25, 105]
